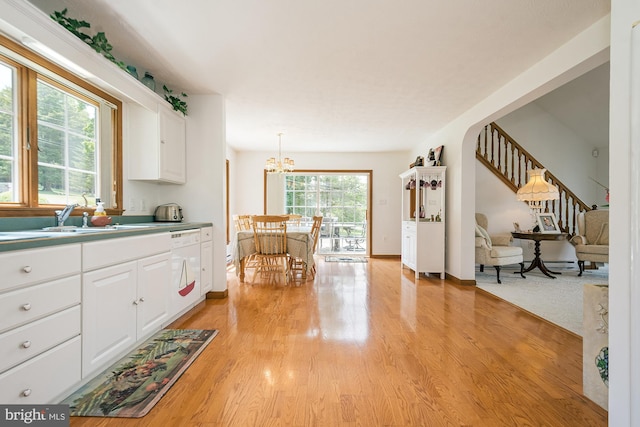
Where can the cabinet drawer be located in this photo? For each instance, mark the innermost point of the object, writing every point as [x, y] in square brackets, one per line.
[43, 378]
[33, 302]
[115, 251]
[20, 268]
[409, 226]
[206, 233]
[25, 342]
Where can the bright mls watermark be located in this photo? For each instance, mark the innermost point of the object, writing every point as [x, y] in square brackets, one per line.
[34, 415]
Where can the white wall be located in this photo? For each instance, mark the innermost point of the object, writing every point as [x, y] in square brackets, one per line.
[386, 187]
[563, 153]
[581, 54]
[203, 196]
[624, 230]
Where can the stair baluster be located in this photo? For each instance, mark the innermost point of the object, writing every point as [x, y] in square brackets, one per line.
[513, 173]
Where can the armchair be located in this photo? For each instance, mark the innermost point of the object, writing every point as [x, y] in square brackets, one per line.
[592, 241]
[495, 250]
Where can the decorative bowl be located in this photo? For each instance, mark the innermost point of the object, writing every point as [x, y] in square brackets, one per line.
[100, 221]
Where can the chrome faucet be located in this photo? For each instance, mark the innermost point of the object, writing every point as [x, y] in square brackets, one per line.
[64, 214]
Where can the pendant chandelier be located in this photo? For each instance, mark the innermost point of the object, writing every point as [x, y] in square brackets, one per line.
[280, 165]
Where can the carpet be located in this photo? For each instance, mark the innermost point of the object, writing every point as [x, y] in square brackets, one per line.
[133, 385]
[557, 300]
[340, 258]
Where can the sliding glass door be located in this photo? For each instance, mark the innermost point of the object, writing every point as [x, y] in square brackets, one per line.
[342, 198]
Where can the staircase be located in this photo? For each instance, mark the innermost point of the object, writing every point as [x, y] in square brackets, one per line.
[510, 162]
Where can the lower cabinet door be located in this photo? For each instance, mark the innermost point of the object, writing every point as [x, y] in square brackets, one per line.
[109, 304]
[206, 267]
[409, 248]
[153, 293]
[43, 378]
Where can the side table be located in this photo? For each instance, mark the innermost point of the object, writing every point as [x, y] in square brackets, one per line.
[537, 238]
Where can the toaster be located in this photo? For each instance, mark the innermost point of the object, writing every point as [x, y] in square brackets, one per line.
[171, 212]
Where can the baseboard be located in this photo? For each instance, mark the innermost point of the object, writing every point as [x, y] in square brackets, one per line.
[457, 281]
[385, 256]
[218, 294]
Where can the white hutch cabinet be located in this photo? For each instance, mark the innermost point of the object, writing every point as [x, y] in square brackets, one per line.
[423, 219]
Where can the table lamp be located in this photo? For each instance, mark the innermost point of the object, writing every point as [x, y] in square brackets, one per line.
[537, 191]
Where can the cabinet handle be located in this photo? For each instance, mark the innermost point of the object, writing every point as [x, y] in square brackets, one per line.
[135, 302]
[26, 307]
[26, 269]
[141, 299]
[26, 344]
[26, 392]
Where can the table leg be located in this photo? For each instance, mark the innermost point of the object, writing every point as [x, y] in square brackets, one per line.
[537, 262]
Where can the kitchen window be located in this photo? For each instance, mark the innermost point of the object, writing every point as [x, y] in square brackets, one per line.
[60, 138]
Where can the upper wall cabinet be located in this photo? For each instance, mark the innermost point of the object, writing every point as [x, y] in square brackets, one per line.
[157, 145]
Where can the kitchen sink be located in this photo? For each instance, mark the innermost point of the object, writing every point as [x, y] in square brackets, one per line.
[131, 226]
[17, 235]
[60, 229]
[67, 230]
[82, 230]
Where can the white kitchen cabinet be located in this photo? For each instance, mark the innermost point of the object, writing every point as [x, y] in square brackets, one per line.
[153, 302]
[108, 314]
[125, 295]
[206, 260]
[409, 244]
[157, 141]
[41, 379]
[19, 268]
[40, 297]
[424, 219]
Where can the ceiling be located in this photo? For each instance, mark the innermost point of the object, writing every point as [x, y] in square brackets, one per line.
[336, 75]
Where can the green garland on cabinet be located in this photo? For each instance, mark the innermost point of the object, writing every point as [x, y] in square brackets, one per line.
[177, 103]
[100, 44]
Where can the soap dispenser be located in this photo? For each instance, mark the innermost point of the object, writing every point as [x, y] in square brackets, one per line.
[100, 218]
[99, 208]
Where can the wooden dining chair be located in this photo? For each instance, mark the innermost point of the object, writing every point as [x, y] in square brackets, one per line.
[242, 222]
[297, 266]
[315, 234]
[270, 237]
[315, 231]
[294, 220]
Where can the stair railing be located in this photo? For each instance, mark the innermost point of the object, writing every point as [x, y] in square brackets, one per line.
[507, 160]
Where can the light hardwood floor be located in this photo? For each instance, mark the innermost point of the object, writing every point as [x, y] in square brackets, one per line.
[366, 345]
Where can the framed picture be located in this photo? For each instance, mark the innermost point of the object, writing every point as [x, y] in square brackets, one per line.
[547, 223]
[438, 155]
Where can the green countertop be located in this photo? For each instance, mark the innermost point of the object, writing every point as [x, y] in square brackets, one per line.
[30, 238]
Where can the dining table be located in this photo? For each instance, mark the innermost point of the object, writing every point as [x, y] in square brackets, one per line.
[299, 245]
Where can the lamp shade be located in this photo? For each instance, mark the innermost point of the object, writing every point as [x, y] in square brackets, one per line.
[537, 189]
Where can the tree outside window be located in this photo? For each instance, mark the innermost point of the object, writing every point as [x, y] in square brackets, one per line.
[67, 166]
